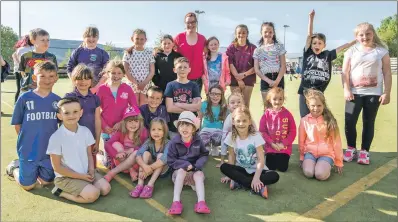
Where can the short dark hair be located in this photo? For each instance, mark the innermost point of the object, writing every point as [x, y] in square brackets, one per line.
[45, 65]
[155, 89]
[319, 36]
[67, 100]
[37, 32]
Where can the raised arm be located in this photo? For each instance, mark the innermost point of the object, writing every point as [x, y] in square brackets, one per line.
[310, 28]
[342, 47]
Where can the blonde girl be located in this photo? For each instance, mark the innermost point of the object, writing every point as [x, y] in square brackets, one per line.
[366, 69]
[140, 65]
[246, 167]
[152, 158]
[319, 139]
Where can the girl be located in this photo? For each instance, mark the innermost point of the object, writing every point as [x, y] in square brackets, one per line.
[187, 156]
[115, 97]
[216, 66]
[319, 139]
[269, 60]
[139, 64]
[152, 158]
[91, 55]
[240, 57]
[22, 46]
[245, 165]
[82, 77]
[122, 146]
[213, 113]
[317, 64]
[164, 63]
[366, 68]
[191, 45]
[278, 129]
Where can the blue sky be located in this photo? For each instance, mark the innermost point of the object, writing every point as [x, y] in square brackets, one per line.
[117, 20]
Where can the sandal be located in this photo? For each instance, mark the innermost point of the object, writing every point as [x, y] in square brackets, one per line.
[176, 208]
[146, 192]
[201, 208]
[137, 191]
[109, 176]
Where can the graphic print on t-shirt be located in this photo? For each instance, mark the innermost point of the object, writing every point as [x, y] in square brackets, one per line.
[182, 95]
[317, 69]
[246, 157]
[368, 77]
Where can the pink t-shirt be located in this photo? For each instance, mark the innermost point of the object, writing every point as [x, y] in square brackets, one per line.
[188, 144]
[194, 53]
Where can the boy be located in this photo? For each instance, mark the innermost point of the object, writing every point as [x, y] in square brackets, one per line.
[71, 156]
[41, 41]
[154, 108]
[181, 94]
[35, 121]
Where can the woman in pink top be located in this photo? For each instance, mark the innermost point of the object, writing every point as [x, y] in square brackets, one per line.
[319, 139]
[278, 129]
[191, 45]
[115, 98]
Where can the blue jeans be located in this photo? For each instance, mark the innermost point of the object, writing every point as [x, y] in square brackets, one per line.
[324, 158]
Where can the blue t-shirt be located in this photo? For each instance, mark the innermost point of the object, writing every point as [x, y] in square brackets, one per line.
[180, 93]
[206, 120]
[214, 69]
[38, 119]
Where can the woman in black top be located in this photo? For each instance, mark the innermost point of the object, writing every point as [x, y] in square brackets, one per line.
[164, 63]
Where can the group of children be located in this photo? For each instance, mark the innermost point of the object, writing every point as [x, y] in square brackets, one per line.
[156, 131]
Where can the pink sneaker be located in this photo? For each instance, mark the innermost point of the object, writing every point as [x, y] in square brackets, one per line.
[350, 154]
[137, 191]
[363, 157]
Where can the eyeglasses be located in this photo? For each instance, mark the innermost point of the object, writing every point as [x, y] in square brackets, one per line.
[215, 94]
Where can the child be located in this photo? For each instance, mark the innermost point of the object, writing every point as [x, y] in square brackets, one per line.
[154, 108]
[115, 98]
[278, 129]
[122, 146]
[366, 69]
[181, 94]
[213, 113]
[216, 66]
[164, 63]
[240, 56]
[319, 139]
[152, 158]
[245, 165]
[139, 65]
[41, 41]
[235, 100]
[82, 78]
[187, 156]
[21, 46]
[90, 54]
[35, 121]
[269, 60]
[71, 156]
[317, 64]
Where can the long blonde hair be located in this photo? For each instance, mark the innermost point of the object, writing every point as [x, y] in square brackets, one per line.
[330, 121]
[245, 111]
[376, 40]
[165, 131]
[136, 138]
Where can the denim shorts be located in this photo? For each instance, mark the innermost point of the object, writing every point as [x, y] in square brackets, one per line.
[324, 158]
[264, 86]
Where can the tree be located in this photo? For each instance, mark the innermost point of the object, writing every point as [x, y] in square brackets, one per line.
[8, 40]
[113, 52]
[66, 58]
[388, 34]
[158, 41]
[339, 59]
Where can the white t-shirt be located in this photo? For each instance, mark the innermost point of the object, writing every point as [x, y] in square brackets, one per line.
[245, 151]
[72, 147]
[268, 57]
[139, 63]
[366, 76]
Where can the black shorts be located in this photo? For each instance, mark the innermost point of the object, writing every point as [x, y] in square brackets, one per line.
[264, 86]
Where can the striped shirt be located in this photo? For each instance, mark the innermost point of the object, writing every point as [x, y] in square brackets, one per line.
[268, 57]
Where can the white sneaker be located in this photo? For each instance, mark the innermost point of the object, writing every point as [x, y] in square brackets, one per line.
[11, 167]
[363, 157]
[350, 154]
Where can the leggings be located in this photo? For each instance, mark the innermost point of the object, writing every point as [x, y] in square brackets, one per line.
[277, 161]
[370, 105]
[18, 82]
[239, 175]
[303, 106]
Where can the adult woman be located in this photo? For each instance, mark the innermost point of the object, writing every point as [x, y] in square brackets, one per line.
[22, 46]
[191, 45]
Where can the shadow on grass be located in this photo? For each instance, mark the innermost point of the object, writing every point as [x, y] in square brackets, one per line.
[292, 196]
[6, 115]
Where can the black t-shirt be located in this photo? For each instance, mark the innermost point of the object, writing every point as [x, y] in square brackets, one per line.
[164, 69]
[317, 70]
